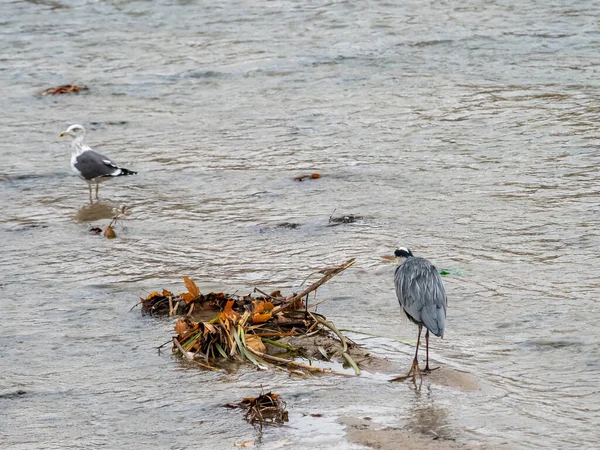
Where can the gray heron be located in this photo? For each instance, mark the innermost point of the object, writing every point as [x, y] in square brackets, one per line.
[89, 165]
[422, 296]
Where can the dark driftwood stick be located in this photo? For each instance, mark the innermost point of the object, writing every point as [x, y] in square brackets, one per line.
[265, 294]
[291, 300]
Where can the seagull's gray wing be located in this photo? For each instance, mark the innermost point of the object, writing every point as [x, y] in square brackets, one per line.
[421, 294]
[94, 165]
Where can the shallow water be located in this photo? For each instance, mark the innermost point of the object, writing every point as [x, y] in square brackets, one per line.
[467, 131]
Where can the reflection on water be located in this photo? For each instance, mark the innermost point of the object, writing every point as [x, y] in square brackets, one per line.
[95, 211]
[426, 417]
[468, 133]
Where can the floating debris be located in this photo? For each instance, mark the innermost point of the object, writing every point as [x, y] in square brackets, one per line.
[280, 226]
[266, 409]
[219, 326]
[109, 232]
[446, 272]
[95, 230]
[310, 176]
[118, 122]
[335, 221]
[64, 89]
[15, 394]
[288, 225]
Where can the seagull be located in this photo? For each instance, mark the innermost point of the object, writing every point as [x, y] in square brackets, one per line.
[89, 165]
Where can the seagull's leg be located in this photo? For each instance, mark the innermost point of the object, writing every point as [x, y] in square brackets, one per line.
[90, 189]
[97, 186]
[415, 364]
[427, 369]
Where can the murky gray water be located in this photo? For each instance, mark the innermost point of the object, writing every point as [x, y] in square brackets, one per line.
[465, 130]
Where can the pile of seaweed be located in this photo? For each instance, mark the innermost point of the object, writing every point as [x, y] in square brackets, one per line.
[250, 328]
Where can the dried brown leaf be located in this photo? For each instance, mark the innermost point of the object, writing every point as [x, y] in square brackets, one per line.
[64, 89]
[307, 176]
[109, 232]
[228, 312]
[259, 306]
[191, 287]
[255, 343]
[181, 327]
[187, 297]
[261, 318]
[210, 327]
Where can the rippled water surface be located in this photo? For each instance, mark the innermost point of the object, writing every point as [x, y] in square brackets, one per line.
[467, 131]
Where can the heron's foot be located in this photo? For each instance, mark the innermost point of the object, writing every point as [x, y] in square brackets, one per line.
[412, 373]
[416, 370]
[400, 379]
[429, 369]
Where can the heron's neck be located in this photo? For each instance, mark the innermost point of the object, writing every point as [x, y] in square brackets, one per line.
[78, 145]
[401, 260]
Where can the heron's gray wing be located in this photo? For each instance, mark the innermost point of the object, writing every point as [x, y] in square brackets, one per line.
[421, 293]
[94, 165]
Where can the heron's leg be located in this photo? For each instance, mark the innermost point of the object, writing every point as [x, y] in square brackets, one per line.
[415, 365]
[415, 361]
[427, 351]
[97, 186]
[427, 369]
[414, 369]
[90, 190]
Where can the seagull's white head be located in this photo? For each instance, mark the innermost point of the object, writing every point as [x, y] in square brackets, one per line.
[75, 131]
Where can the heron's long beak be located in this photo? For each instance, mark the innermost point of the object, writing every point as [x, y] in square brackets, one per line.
[390, 258]
[63, 134]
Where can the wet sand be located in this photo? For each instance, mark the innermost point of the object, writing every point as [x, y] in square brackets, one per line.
[362, 431]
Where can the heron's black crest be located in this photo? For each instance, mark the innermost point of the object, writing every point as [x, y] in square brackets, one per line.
[403, 253]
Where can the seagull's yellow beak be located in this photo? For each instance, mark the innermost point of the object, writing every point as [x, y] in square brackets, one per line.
[63, 134]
